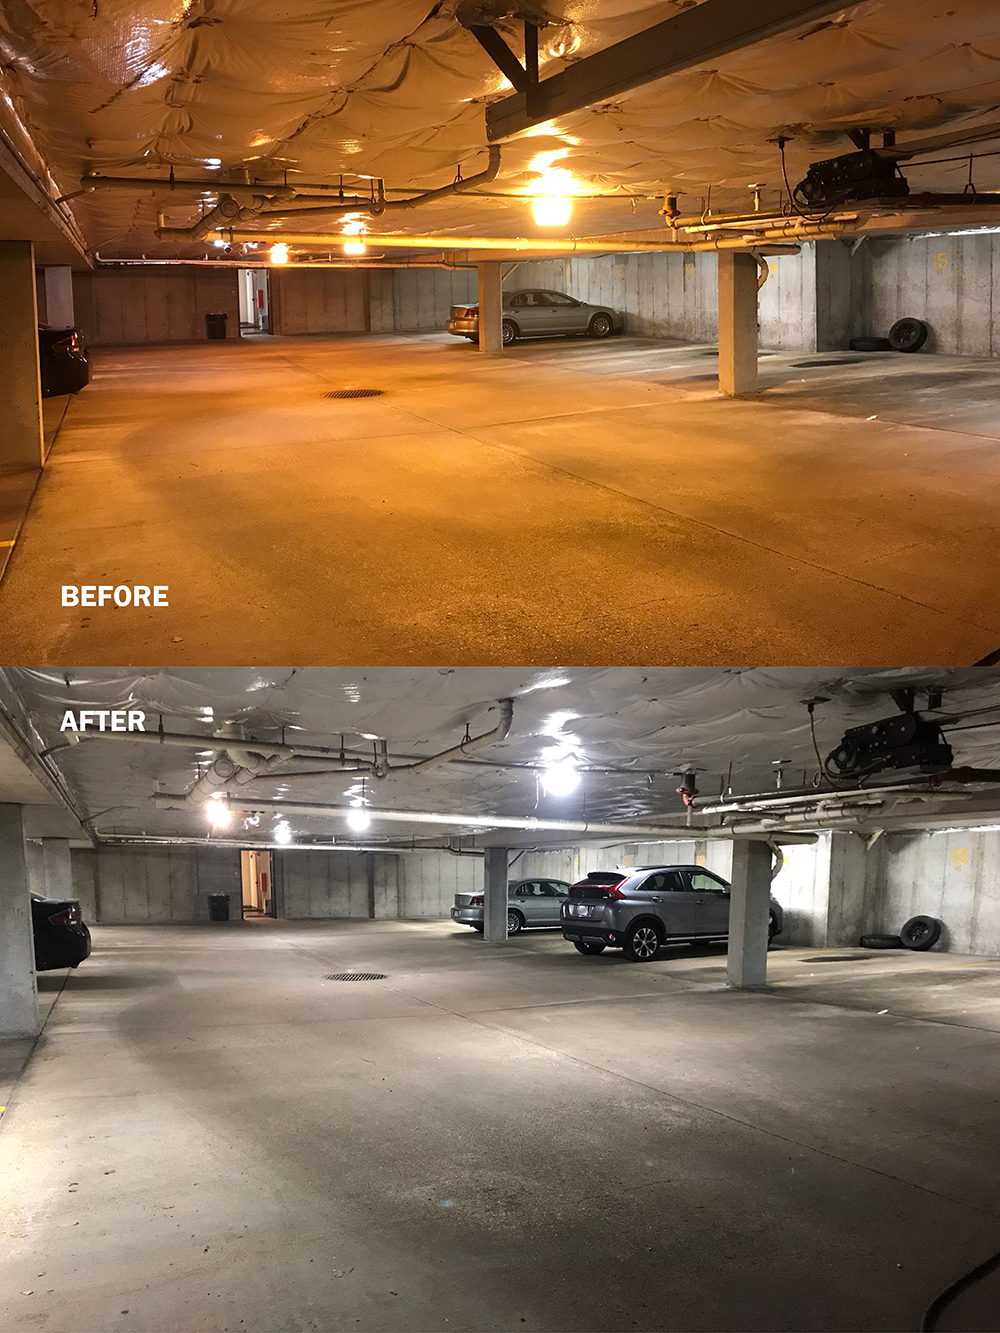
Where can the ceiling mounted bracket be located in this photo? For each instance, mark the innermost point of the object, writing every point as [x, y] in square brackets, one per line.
[522, 78]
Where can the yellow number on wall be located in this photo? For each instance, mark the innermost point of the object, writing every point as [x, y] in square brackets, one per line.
[940, 261]
[959, 857]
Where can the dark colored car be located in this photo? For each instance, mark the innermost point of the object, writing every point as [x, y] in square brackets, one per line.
[540, 314]
[640, 912]
[64, 363]
[61, 935]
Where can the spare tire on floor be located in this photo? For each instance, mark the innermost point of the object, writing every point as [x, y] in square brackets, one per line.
[908, 335]
[870, 345]
[880, 942]
[921, 932]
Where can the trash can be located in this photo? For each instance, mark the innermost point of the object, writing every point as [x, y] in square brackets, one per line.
[218, 907]
[215, 324]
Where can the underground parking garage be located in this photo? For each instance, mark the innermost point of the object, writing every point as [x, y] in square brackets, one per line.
[721, 384]
[335, 1059]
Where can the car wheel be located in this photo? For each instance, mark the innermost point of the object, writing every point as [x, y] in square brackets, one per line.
[515, 922]
[908, 335]
[510, 332]
[642, 943]
[589, 946]
[600, 326]
[921, 932]
[772, 927]
[880, 942]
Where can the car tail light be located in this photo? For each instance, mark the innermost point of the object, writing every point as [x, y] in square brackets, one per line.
[475, 902]
[614, 891]
[69, 917]
[70, 344]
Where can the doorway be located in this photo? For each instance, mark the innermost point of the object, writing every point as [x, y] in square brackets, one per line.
[255, 868]
[255, 303]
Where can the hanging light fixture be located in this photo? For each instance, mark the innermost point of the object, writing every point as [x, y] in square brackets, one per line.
[279, 253]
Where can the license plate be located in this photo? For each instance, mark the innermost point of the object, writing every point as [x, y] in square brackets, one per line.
[578, 910]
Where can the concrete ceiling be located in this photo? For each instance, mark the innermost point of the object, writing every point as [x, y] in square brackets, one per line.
[397, 89]
[632, 731]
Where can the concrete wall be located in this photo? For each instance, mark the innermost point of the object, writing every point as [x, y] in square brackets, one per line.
[154, 884]
[321, 884]
[153, 305]
[805, 304]
[428, 884]
[946, 281]
[322, 300]
[420, 298]
[953, 876]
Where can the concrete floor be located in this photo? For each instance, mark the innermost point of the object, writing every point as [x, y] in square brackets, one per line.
[570, 501]
[210, 1136]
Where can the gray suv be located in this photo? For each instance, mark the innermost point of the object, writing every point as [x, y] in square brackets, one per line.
[640, 912]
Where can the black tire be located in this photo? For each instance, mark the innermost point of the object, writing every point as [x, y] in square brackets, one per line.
[908, 335]
[589, 946]
[642, 943]
[870, 345]
[515, 922]
[509, 332]
[772, 927]
[601, 326]
[880, 942]
[920, 933]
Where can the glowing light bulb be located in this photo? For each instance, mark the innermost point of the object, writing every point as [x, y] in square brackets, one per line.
[279, 253]
[561, 779]
[551, 211]
[219, 815]
[283, 834]
[354, 247]
[359, 820]
[219, 243]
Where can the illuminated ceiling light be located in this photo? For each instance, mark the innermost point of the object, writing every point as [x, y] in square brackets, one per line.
[551, 210]
[561, 779]
[354, 247]
[219, 815]
[279, 253]
[283, 834]
[359, 820]
[219, 243]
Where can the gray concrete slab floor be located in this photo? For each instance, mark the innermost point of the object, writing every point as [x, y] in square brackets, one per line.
[562, 502]
[213, 1136]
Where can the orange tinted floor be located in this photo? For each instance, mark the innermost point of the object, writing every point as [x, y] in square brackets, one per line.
[562, 502]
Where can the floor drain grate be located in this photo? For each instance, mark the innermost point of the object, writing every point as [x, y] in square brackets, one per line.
[833, 361]
[354, 393]
[356, 976]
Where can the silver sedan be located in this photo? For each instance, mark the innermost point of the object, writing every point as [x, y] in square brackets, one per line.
[530, 902]
[538, 313]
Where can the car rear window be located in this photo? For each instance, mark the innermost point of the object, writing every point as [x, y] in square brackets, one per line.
[594, 890]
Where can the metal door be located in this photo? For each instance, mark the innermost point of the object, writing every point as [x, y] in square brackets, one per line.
[568, 316]
[675, 901]
[711, 898]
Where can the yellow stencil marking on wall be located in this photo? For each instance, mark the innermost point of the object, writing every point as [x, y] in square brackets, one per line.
[959, 857]
[940, 261]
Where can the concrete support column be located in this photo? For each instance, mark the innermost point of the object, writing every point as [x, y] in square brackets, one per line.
[749, 908]
[18, 992]
[737, 323]
[57, 280]
[845, 903]
[490, 306]
[495, 895]
[57, 868]
[21, 441]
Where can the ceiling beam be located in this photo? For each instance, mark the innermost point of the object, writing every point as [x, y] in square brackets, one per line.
[711, 29]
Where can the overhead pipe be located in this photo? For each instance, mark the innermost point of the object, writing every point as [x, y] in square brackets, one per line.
[472, 245]
[476, 823]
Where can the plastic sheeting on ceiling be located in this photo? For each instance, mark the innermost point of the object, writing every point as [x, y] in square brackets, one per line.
[644, 723]
[395, 89]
